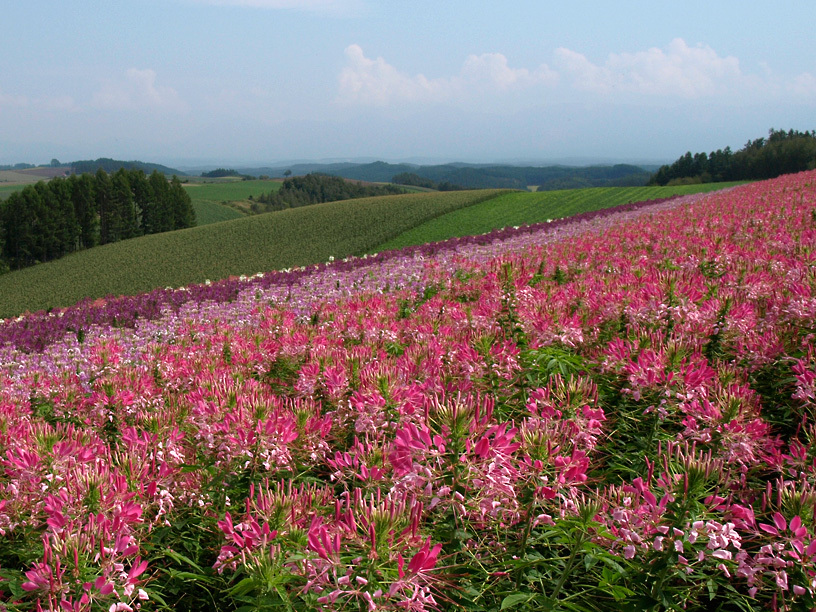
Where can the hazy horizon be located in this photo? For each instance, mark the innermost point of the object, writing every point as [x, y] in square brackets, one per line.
[257, 82]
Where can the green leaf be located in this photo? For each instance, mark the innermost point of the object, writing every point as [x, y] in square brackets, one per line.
[245, 587]
[515, 599]
[179, 558]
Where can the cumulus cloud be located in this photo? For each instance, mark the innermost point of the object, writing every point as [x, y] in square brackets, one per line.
[376, 82]
[492, 69]
[679, 70]
[138, 91]
[803, 86]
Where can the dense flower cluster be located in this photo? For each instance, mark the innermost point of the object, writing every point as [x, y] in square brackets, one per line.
[615, 410]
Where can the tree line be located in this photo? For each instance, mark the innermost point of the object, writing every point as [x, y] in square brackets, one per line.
[413, 179]
[48, 220]
[763, 158]
[316, 188]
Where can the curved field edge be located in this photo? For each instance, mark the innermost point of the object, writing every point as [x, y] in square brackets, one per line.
[521, 208]
[289, 238]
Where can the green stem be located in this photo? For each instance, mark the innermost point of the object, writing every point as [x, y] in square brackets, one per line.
[568, 567]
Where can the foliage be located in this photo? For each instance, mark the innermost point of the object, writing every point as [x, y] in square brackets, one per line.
[46, 221]
[113, 165]
[222, 172]
[780, 153]
[413, 179]
[315, 189]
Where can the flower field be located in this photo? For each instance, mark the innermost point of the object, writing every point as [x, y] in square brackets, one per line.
[613, 412]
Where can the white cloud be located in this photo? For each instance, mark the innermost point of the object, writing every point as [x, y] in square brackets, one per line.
[376, 82]
[492, 69]
[138, 91]
[804, 86]
[679, 70]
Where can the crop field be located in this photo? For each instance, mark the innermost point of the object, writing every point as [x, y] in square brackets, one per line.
[229, 191]
[209, 197]
[5, 190]
[284, 239]
[18, 177]
[520, 208]
[612, 414]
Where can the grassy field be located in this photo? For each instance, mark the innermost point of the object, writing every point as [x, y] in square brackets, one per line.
[5, 190]
[522, 208]
[209, 197]
[284, 239]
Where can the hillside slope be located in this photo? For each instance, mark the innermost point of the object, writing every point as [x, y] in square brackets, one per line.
[284, 239]
[520, 208]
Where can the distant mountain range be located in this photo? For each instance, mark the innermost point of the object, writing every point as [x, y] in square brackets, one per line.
[466, 175]
[476, 176]
[112, 165]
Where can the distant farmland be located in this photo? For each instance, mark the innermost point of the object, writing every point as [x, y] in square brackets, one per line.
[522, 208]
[209, 198]
[289, 238]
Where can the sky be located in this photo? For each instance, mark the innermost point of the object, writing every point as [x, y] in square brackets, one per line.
[232, 82]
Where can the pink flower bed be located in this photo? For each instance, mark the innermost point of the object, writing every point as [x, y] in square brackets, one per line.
[616, 412]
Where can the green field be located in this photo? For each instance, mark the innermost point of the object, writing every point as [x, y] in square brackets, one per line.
[209, 197]
[284, 239]
[5, 190]
[523, 208]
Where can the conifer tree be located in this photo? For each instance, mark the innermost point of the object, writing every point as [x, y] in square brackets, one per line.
[124, 217]
[85, 208]
[183, 211]
[104, 204]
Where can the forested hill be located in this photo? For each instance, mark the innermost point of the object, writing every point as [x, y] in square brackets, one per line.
[763, 158]
[112, 165]
[478, 176]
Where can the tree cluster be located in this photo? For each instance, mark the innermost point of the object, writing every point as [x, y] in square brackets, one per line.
[225, 172]
[20, 166]
[780, 153]
[413, 179]
[50, 219]
[316, 188]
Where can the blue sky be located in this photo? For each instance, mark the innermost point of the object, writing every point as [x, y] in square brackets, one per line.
[246, 81]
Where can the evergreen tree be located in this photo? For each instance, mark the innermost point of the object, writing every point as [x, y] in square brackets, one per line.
[68, 231]
[43, 202]
[163, 218]
[124, 217]
[105, 206]
[85, 209]
[18, 226]
[183, 211]
[142, 199]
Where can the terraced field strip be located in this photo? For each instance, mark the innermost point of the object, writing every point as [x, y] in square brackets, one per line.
[273, 241]
[522, 208]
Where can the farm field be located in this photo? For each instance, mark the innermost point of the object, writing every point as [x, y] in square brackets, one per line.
[613, 413]
[520, 208]
[5, 190]
[209, 197]
[284, 239]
